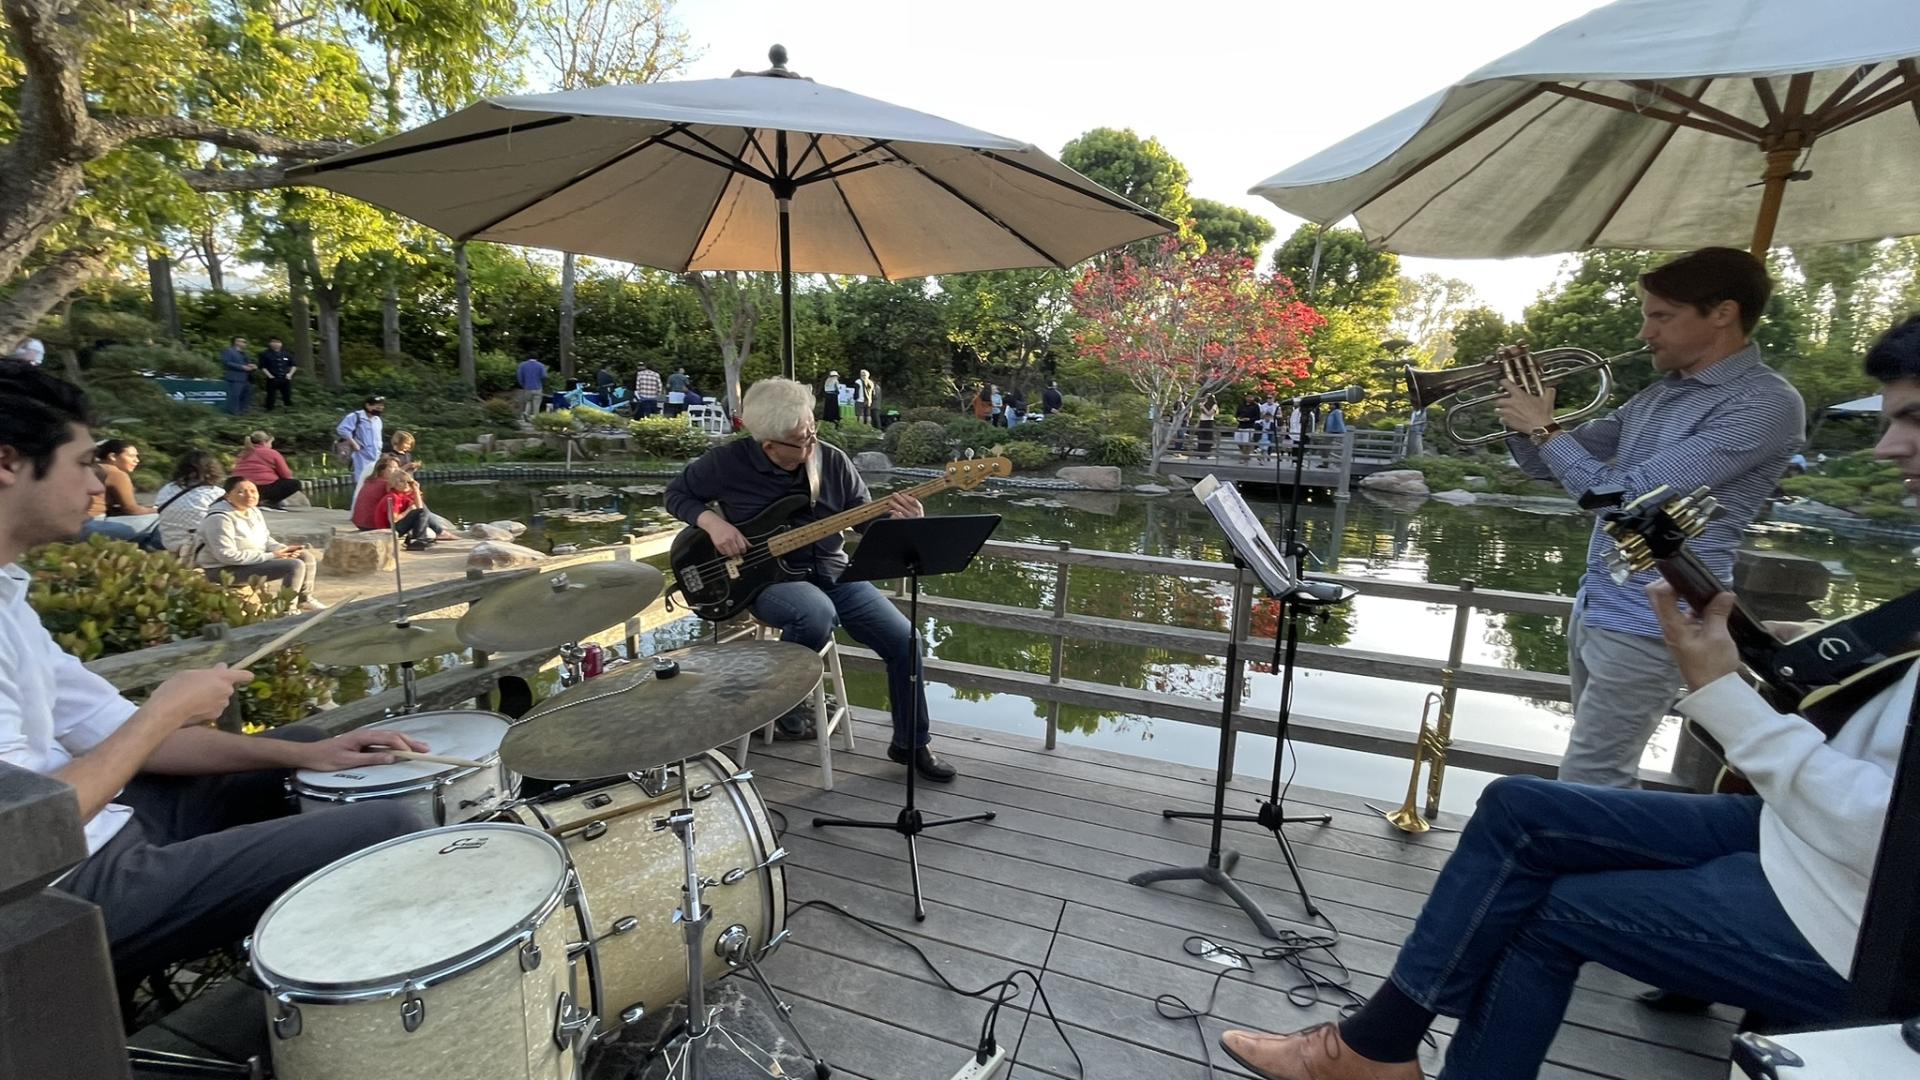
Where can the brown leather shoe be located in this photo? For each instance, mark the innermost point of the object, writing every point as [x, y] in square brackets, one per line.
[1316, 1053]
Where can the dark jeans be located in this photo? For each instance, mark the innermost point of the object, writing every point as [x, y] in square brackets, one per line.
[281, 387]
[204, 856]
[1661, 887]
[239, 395]
[273, 493]
[806, 613]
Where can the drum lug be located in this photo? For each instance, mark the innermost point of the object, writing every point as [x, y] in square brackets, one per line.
[734, 876]
[626, 924]
[633, 1014]
[572, 1025]
[699, 793]
[776, 942]
[778, 856]
[530, 956]
[732, 944]
[286, 1023]
[413, 1013]
[594, 831]
[485, 798]
[744, 776]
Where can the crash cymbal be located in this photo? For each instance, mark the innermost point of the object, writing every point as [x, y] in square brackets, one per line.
[554, 607]
[386, 643]
[631, 720]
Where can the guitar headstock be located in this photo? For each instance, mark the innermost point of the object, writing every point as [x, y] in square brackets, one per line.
[1656, 526]
[969, 473]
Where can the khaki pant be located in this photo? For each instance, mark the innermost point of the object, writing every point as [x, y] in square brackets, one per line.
[1623, 686]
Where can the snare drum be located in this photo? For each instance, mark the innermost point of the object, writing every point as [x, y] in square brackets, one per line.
[443, 794]
[439, 954]
[632, 877]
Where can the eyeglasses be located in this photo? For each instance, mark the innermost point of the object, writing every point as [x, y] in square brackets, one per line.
[806, 442]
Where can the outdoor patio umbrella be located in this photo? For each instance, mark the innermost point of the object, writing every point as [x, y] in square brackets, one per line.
[1661, 124]
[762, 171]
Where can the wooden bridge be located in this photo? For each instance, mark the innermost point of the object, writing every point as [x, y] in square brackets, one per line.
[1332, 461]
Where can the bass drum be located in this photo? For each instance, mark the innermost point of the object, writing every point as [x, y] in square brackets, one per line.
[439, 955]
[632, 877]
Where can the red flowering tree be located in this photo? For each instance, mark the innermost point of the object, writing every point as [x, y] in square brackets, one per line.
[1181, 326]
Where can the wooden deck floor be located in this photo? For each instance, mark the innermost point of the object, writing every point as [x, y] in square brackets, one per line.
[1044, 887]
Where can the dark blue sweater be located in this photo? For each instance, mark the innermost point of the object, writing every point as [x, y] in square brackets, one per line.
[739, 476]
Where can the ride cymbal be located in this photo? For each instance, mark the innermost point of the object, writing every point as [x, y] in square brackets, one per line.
[387, 643]
[554, 607]
[631, 720]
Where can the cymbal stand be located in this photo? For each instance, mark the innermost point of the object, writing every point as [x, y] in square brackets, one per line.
[687, 1052]
[409, 696]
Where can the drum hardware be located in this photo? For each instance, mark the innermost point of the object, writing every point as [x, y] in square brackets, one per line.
[573, 661]
[413, 1011]
[572, 1025]
[172, 1064]
[1533, 371]
[286, 1022]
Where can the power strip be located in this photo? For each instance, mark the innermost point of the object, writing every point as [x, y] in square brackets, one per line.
[974, 1070]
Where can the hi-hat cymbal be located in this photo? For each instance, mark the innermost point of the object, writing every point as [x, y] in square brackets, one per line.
[387, 643]
[554, 607]
[630, 720]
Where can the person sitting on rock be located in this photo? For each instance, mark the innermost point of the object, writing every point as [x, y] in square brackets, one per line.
[233, 540]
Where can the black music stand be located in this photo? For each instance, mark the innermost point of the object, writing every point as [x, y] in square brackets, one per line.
[913, 548]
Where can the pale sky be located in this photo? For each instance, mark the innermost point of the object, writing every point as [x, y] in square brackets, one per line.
[1236, 90]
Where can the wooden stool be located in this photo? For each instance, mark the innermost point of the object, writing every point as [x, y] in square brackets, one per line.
[826, 723]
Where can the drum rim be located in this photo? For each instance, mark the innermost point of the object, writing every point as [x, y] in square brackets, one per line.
[491, 759]
[285, 988]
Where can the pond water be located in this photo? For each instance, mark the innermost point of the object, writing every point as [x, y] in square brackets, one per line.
[1501, 548]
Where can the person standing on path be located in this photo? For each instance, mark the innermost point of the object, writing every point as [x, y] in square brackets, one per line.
[1051, 398]
[360, 430]
[530, 383]
[238, 368]
[279, 365]
[647, 390]
[677, 386]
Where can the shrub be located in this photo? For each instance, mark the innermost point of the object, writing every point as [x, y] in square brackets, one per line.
[594, 419]
[554, 421]
[851, 435]
[1026, 456]
[1061, 432]
[101, 597]
[934, 413]
[1450, 473]
[494, 372]
[663, 437]
[539, 452]
[501, 410]
[921, 442]
[1121, 450]
[971, 434]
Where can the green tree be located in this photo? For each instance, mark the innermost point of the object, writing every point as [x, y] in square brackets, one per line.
[1428, 306]
[1229, 228]
[1351, 272]
[1141, 170]
[1478, 331]
[1004, 322]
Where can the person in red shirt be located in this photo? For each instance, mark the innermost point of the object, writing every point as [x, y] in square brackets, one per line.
[267, 468]
[390, 499]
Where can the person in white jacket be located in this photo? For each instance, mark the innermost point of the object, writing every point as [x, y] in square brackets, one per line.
[233, 539]
[1754, 901]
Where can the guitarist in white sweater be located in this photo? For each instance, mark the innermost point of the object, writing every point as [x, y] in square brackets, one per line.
[1751, 901]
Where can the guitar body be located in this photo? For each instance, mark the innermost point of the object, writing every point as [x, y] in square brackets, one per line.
[717, 587]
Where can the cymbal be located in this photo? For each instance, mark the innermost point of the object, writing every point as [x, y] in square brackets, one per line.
[387, 643]
[557, 606]
[629, 720]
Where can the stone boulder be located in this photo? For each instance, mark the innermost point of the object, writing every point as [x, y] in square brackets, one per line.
[1456, 497]
[513, 527]
[359, 553]
[1092, 477]
[488, 531]
[499, 555]
[469, 448]
[1397, 482]
[296, 501]
[1152, 489]
[310, 529]
[872, 461]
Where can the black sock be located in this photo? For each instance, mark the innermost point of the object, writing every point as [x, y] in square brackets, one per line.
[1389, 1027]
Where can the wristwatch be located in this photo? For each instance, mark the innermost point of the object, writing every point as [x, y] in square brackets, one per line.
[1546, 431]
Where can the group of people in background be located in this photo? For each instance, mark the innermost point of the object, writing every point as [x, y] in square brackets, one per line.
[237, 366]
[861, 395]
[1258, 430]
[1008, 408]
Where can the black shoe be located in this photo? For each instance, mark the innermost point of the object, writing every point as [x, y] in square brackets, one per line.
[1666, 1001]
[924, 763]
[797, 725]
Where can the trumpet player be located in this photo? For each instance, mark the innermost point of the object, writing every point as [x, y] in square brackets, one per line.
[1717, 417]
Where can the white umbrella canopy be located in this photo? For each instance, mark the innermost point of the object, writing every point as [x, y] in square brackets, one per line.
[689, 176]
[1659, 124]
[1857, 405]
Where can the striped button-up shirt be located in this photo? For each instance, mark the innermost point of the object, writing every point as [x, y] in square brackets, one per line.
[1731, 427]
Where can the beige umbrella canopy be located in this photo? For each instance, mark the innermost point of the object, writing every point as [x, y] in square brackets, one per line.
[763, 171]
[1658, 124]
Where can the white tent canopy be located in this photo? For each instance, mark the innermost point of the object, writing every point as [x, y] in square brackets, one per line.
[1857, 405]
[1647, 124]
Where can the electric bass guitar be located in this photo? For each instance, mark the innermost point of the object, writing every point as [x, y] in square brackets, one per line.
[717, 587]
[1823, 675]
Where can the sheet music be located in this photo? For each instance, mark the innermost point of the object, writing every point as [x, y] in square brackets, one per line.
[1244, 530]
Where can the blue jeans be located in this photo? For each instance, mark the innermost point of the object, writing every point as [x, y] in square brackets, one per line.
[1659, 886]
[806, 612]
[239, 395]
[136, 527]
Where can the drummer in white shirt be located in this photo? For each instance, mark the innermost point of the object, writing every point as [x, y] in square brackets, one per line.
[186, 826]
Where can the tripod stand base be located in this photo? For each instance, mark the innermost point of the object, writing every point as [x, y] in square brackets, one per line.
[910, 824]
[1219, 878]
[1270, 817]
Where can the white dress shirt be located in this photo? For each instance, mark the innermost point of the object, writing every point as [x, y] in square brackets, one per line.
[52, 709]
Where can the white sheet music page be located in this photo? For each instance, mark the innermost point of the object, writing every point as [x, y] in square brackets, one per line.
[1244, 530]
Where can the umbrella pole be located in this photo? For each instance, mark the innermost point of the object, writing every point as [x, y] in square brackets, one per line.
[783, 190]
[1780, 164]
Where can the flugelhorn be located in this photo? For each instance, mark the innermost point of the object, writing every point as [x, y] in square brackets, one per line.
[1539, 370]
[1429, 749]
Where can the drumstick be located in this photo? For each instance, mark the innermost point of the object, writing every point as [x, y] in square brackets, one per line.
[302, 628]
[437, 759]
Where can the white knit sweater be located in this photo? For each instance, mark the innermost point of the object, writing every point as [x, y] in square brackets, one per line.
[231, 538]
[1826, 801]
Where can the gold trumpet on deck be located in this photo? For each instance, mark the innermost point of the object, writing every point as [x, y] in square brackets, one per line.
[1535, 371]
[1430, 748]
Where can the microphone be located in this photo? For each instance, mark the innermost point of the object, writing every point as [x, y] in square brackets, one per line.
[1350, 394]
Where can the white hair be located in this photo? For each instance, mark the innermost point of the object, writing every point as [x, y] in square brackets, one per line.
[776, 408]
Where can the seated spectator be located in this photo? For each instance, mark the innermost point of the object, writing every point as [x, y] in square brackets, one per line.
[118, 512]
[403, 451]
[391, 499]
[233, 539]
[199, 481]
[268, 470]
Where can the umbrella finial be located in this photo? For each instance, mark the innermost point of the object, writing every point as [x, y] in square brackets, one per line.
[778, 56]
